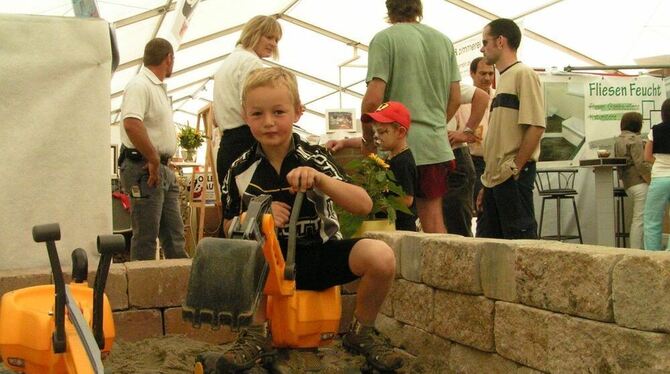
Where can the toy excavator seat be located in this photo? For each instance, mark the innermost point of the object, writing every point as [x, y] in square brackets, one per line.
[228, 275]
[37, 338]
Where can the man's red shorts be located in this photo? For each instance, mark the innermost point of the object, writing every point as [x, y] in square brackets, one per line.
[433, 179]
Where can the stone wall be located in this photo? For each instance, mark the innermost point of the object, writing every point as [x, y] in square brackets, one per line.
[476, 305]
[146, 298]
[499, 306]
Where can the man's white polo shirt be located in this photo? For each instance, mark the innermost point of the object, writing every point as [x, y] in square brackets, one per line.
[146, 99]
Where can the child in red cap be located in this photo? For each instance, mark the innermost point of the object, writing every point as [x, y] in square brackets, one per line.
[391, 124]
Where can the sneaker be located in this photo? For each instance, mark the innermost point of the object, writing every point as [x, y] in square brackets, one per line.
[376, 348]
[250, 348]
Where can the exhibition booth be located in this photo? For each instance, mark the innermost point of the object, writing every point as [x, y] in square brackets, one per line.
[455, 305]
[59, 65]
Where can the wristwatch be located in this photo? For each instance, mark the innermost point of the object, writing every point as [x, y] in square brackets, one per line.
[468, 130]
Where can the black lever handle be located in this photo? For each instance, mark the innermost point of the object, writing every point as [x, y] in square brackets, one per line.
[289, 270]
[49, 233]
[79, 266]
[108, 245]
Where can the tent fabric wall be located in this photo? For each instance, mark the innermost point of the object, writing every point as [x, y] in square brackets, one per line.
[320, 36]
[54, 135]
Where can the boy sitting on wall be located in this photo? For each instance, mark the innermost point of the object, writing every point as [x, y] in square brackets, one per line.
[280, 164]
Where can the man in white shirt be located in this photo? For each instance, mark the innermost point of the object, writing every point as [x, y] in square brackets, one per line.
[482, 75]
[457, 205]
[149, 140]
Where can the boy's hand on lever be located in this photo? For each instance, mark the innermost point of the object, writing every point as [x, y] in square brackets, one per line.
[281, 212]
[303, 178]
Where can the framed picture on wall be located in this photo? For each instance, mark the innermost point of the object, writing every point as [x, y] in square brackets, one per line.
[341, 120]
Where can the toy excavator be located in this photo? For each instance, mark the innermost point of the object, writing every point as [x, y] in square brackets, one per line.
[69, 334]
[228, 276]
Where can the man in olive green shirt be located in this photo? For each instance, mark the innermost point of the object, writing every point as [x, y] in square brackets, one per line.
[416, 65]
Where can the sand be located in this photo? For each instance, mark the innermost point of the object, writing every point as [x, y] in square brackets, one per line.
[175, 354]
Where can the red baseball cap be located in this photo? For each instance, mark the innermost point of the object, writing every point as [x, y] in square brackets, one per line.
[390, 112]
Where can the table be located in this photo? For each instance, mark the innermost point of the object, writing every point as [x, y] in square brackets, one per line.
[604, 196]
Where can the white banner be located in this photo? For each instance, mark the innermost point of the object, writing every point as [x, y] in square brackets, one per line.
[466, 51]
[607, 99]
[183, 12]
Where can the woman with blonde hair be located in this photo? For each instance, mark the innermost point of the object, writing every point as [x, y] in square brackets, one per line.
[258, 40]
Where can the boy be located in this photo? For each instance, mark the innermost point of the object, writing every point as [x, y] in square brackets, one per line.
[280, 164]
[391, 122]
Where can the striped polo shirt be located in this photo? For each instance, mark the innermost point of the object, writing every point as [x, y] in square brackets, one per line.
[519, 102]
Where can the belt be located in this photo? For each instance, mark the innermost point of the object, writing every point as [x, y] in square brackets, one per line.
[134, 155]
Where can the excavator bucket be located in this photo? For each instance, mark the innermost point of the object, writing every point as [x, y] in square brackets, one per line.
[226, 282]
[228, 275]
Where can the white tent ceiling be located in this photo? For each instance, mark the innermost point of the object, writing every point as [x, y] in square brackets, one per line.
[325, 42]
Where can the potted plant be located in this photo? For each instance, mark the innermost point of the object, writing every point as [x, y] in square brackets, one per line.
[373, 174]
[190, 140]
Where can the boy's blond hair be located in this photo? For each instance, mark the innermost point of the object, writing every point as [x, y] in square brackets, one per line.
[257, 27]
[272, 77]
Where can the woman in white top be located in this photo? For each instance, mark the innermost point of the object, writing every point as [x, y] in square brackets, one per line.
[258, 40]
[657, 150]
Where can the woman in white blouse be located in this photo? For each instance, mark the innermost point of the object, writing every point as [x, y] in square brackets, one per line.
[258, 40]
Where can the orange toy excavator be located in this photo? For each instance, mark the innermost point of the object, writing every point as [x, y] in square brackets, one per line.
[36, 335]
[228, 276]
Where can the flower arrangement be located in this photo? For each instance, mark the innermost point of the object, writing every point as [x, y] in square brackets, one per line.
[190, 138]
[373, 174]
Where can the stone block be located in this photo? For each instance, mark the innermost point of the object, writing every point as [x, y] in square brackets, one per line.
[466, 360]
[521, 334]
[422, 343]
[174, 324]
[412, 339]
[387, 306]
[116, 288]
[348, 306]
[465, 319]
[411, 254]
[413, 304]
[390, 328]
[392, 238]
[155, 284]
[568, 278]
[496, 270]
[641, 291]
[11, 280]
[452, 263]
[578, 345]
[134, 325]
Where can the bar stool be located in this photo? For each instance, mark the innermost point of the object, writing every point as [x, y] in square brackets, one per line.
[620, 233]
[557, 184]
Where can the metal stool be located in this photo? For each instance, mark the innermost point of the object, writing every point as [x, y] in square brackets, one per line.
[620, 233]
[557, 184]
